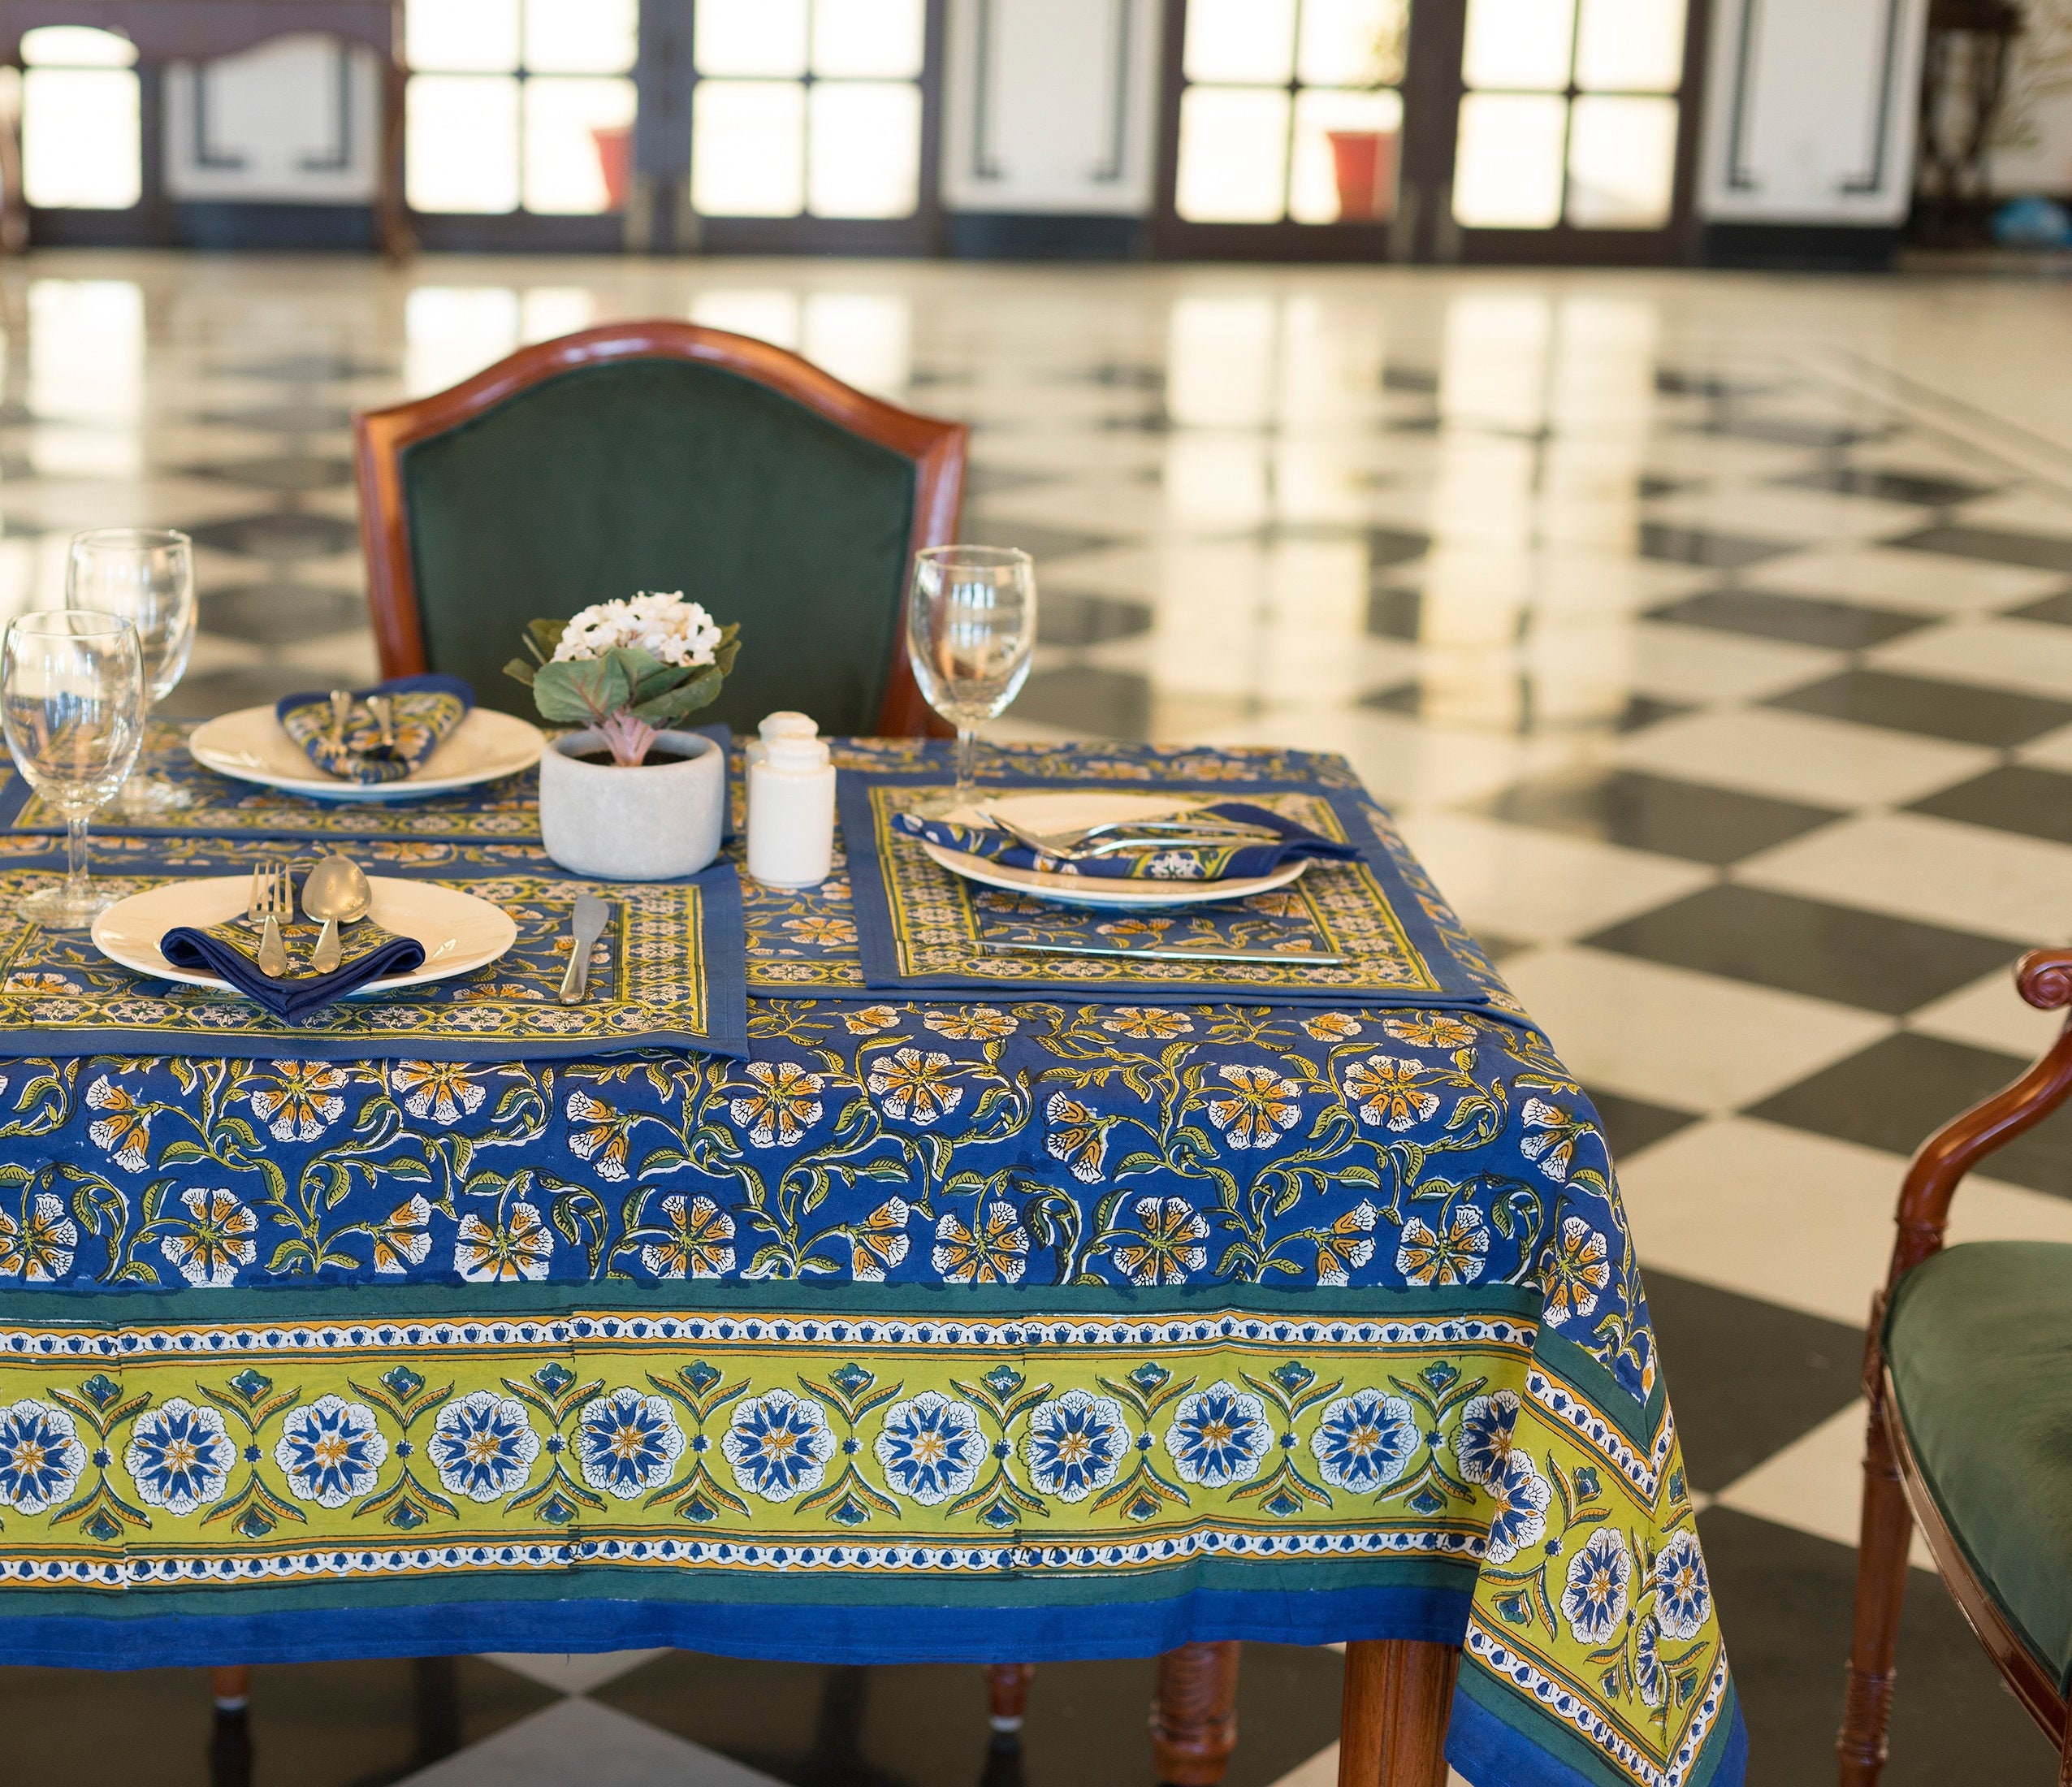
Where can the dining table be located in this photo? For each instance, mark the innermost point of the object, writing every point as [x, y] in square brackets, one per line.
[856, 1293]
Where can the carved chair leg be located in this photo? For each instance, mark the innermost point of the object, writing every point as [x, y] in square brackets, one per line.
[1007, 1694]
[2065, 1756]
[230, 1742]
[1399, 1695]
[1881, 1569]
[1194, 1724]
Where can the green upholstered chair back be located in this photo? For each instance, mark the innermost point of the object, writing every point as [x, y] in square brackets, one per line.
[615, 475]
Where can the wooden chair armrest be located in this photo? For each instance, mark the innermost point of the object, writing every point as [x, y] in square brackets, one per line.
[2044, 979]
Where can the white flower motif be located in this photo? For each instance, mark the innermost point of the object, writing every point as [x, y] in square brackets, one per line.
[667, 627]
[482, 1446]
[930, 1448]
[779, 1445]
[41, 1456]
[180, 1456]
[627, 1441]
[329, 1451]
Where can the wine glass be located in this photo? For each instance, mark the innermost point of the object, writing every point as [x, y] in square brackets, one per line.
[72, 708]
[971, 622]
[145, 575]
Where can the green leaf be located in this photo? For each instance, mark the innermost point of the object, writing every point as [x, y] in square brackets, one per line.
[701, 691]
[585, 691]
[178, 1153]
[519, 671]
[544, 638]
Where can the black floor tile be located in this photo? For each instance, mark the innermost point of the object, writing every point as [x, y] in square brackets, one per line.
[1657, 813]
[213, 692]
[1157, 421]
[1841, 953]
[1673, 383]
[2056, 609]
[313, 367]
[1390, 546]
[314, 1725]
[1105, 704]
[1444, 708]
[1647, 486]
[281, 613]
[280, 538]
[1068, 618]
[997, 480]
[1395, 613]
[1789, 430]
[1119, 375]
[1806, 620]
[1784, 1601]
[1968, 712]
[1746, 1378]
[1895, 1093]
[2012, 798]
[1497, 947]
[1923, 488]
[2040, 551]
[1039, 542]
[1631, 1124]
[288, 417]
[287, 473]
[1677, 544]
[924, 1725]
[1415, 381]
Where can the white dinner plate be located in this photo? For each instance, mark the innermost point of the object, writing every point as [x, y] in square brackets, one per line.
[460, 933]
[252, 745]
[1065, 809]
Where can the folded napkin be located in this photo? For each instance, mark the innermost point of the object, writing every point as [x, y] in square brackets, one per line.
[231, 951]
[1177, 862]
[426, 709]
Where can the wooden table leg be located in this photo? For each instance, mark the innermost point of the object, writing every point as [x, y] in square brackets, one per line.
[1007, 1694]
[1399, 1694]
[229, 1740]
[231, 1685]
[1194, 1723]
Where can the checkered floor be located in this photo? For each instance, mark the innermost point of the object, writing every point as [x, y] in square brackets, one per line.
[1719, 666]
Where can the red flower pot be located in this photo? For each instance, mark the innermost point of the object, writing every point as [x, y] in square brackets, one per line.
[1365, 163]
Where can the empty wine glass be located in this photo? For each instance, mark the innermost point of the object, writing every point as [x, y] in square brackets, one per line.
[72, 708]
[971, 622]
[146, 576]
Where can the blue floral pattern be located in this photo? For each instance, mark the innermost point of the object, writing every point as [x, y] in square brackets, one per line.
[1519, 1494]
[779, 1445]
[1218, 1436]
[180, 1456]
[627, 1442]
[41, 1456]
[930, 1448]
[1486, 1426]
[1600, 1574]
[329, 1451]
[1365, 1441]
[1683, 1592]
[1075, 1445]
[482, 1446]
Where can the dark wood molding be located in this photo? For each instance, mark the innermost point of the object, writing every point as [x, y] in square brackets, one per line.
[1399, 1696]
[937, 449]
[1194, 1721]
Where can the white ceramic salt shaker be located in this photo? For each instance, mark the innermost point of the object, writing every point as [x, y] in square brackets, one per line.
[790, 804]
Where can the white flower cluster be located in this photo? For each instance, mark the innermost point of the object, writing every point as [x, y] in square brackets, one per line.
[675, 631]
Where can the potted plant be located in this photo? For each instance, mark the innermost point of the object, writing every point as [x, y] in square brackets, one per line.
[1363, 162]
[626, 796]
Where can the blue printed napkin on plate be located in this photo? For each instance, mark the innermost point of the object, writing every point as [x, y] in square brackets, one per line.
[1239, 861]
[230, 951]
[424, 710]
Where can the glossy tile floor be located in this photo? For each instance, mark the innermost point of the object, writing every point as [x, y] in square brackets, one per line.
[1712, 635]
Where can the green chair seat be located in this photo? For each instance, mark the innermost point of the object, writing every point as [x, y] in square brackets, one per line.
[1979, 1339]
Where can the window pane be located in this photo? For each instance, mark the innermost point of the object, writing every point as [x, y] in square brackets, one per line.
[1622, 161]
[564, 161]
[462, 35]
[865, 149]
[76, 46]
[1518, 43]
[1240, 40]
[751, 38]
[882, 38]
[748, 148]
[1233, 147]
[581, 36]
[1636, 45]
[1351, 43]
[81, 145]
[460, 147]
[1352, 180]
[1507, 171]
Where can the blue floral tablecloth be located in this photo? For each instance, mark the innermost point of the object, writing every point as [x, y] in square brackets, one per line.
[992, 1328]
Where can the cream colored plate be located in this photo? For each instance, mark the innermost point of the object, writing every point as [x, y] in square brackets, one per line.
[251, 745]
[1064, 810]
[460, 933]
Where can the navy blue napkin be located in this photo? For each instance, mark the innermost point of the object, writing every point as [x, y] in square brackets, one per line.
[1177, 863]
[425, 712]
[229, 951]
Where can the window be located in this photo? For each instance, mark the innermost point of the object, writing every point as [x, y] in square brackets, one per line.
[1570, 114]
[519, 105]
[80, 130]
[807, 108]
[1290, 110]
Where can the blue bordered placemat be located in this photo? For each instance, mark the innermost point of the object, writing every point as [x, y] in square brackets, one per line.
[920, 928]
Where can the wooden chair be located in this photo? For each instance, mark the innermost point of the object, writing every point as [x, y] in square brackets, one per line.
[661, 455]
[1966, 1370]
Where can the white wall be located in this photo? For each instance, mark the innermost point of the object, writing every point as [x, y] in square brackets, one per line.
[1809, 117]
[276, 109]
[2032, 149]
[1041, 132]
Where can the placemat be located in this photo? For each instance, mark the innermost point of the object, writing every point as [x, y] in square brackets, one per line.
[920, 928]
[667, 974]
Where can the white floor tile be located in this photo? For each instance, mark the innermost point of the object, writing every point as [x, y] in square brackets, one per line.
[2032, 655]
[1539, 886]
[2053, 751]
[578, 1742]
[1815, 1484]
[1321, 1770]
[1702, 665]
[1927, 583]
[1690, 1041]
[2031, 511]
[1965, 876]
[1805, 757]
[574, 1674]
[1990, 1015]
[1775, 511]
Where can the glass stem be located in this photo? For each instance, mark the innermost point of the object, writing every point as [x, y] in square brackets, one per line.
[967, 763]
[76, 856]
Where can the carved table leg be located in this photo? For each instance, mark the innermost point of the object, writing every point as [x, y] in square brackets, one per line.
[1007, 1694]
[1194, 1724]
[1399, 1694]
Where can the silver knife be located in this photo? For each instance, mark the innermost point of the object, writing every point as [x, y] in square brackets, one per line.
[588, 926]
[1161, 955]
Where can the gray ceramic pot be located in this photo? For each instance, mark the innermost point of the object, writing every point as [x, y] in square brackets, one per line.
[650, 824]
